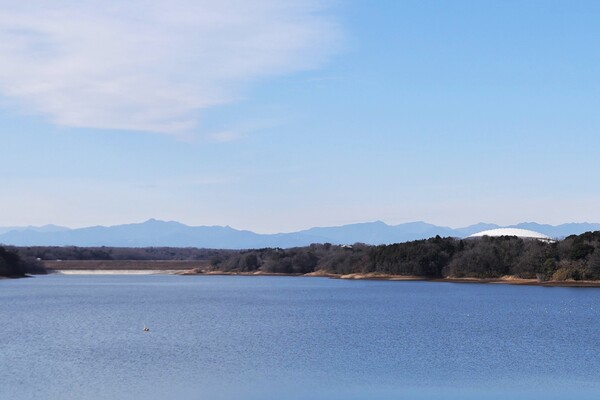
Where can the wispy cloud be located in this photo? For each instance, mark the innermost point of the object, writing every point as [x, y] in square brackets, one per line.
[151, 65]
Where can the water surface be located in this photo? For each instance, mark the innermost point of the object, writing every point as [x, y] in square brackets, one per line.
[228, 337]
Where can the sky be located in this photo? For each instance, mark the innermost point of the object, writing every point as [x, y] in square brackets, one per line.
[275, 116]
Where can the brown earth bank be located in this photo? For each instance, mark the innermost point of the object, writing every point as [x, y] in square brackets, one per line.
[509, 280]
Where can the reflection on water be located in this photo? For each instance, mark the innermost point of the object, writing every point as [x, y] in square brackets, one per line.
[227, 337]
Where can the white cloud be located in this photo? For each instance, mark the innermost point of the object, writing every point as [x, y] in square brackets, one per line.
[151, 65]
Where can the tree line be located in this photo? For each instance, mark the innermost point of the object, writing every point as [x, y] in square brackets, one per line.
[13, 265]
[576, 257]
[116, 253]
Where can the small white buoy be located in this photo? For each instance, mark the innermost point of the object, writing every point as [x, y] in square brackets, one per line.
[146, 329]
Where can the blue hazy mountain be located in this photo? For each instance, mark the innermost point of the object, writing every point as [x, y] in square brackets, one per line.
[154, 233]
[378, 232]
[175, 234]
[559, 231]
[45, 228]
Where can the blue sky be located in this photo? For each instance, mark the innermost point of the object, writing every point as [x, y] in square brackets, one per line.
[275, 116]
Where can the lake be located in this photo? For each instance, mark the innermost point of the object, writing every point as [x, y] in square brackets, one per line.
[237, 337]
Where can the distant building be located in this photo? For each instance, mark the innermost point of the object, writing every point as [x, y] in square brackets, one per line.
[521, 233]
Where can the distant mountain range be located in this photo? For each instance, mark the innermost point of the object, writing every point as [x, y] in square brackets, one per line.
[45, 228]
[174, 234]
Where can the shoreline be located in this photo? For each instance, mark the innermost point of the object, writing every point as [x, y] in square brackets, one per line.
[505, 280]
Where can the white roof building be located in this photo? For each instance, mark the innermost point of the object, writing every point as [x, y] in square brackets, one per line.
[521, 233]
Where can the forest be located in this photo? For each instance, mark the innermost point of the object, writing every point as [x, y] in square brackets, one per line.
[117, 253]
[576, 257]
[13, 265]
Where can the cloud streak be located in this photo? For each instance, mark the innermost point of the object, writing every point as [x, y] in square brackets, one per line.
[151, 65]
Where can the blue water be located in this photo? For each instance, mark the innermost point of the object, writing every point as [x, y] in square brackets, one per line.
[227, 337]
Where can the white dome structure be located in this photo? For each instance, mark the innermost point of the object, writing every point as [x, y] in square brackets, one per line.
[521, 233]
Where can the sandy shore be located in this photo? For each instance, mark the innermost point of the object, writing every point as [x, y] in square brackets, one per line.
[506, 280]
[385, 277]
[511, 280]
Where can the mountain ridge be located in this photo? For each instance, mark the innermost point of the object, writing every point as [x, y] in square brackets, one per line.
[159, 233]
